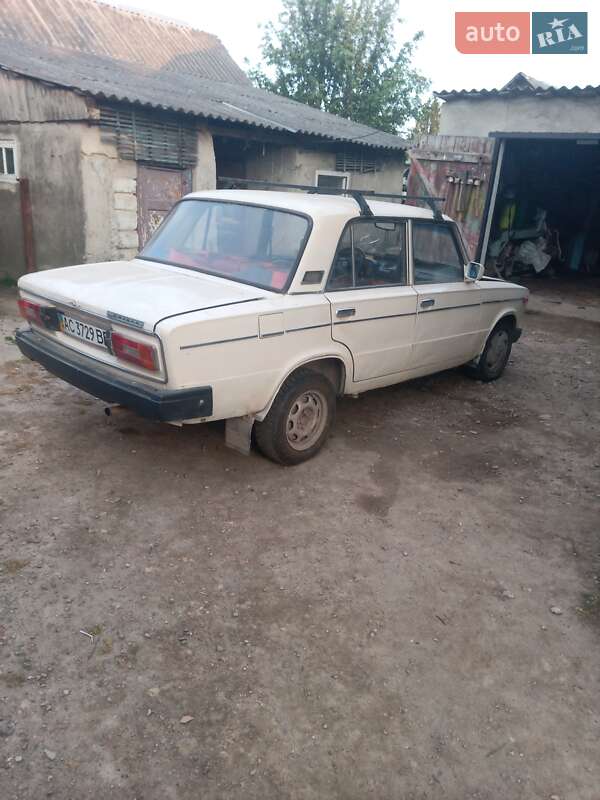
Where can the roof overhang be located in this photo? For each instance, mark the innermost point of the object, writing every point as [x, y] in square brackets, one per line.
[113, 81]
[506, 94]
[590, 138]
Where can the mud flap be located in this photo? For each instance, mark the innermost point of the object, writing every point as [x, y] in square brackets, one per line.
[238, 434]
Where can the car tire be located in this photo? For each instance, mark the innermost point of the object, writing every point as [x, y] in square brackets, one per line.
[300, 419]
[495, 355]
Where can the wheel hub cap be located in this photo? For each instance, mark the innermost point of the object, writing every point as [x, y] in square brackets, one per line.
[497, 350]
[306, 420]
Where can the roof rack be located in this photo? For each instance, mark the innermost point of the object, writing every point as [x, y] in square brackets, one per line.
[358, 195]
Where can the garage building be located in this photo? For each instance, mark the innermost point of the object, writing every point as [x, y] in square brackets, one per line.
[520, 170]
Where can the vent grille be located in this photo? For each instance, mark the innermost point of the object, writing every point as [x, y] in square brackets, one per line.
[155, 139]
[355, 162]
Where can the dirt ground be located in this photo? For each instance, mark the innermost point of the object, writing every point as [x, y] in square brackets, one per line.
[375, 623]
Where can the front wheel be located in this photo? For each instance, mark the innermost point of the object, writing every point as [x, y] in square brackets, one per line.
[496, 353]
[299, 420]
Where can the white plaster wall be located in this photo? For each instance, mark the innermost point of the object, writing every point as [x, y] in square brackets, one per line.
[110, 201]
[298, 165]
[49, 158]
[288, 164]
[479, 117]
[388, 177]
[204, 174]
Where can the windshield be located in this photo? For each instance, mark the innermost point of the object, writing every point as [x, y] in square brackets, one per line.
[241, 242]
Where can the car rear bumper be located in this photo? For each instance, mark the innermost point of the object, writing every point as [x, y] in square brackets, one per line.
[150, 402]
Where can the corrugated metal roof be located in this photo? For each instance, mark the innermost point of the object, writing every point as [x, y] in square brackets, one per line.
[110, 79]
[520, 86]
[522, 80]
[90, 27]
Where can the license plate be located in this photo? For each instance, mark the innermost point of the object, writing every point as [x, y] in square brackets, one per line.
[81, 330]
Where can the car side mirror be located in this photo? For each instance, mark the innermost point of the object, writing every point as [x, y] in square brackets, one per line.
[473, 271]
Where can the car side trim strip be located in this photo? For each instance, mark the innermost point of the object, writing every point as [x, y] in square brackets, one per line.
[219, 341]
[266, 336]
[502, 300]
[309, 327]
[448, 308]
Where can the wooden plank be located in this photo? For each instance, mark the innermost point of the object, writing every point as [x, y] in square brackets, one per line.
[465, 158]
[27, 225]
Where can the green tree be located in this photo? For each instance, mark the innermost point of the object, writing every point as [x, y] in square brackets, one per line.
[341, 56]
[428, 118]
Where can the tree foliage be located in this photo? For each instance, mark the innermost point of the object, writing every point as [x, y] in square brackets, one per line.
[428, 118]
[341, 56]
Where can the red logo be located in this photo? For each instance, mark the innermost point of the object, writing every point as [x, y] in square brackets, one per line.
[491, 32]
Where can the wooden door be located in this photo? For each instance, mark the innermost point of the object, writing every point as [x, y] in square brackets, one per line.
[157, 191]
[459, 169]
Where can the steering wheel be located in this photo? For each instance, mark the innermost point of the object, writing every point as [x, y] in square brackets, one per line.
[344, 258]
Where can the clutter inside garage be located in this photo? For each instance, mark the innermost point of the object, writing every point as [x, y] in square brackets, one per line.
[546, 217]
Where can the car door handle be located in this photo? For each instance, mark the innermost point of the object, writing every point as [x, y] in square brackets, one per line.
[427, 303]
[345, 312]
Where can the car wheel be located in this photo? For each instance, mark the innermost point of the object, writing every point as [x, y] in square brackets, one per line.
[496, 353]
[299, 420]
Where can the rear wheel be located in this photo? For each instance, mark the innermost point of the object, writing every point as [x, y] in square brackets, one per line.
[496, 353]
[299, 420]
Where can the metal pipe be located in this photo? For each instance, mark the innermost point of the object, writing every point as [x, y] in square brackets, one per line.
[110, 411]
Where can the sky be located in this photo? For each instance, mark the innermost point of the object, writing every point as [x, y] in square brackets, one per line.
[237, 24]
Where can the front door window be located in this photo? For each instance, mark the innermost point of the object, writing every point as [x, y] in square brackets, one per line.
[370, 253]
[435, 254]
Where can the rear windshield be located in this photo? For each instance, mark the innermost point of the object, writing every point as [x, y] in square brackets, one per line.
[241, 242]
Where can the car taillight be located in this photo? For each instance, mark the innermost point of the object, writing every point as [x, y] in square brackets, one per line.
[143, 355]
[32, 312]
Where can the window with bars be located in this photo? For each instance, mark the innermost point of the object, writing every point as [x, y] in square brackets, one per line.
[8, 160]
[355, 162]
[164, 140]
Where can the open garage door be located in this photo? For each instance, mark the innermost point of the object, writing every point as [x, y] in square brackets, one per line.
[458, 168]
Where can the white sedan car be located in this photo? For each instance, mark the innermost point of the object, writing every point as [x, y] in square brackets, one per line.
[262, 307]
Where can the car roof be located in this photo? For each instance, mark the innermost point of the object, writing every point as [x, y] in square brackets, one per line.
[314, 205]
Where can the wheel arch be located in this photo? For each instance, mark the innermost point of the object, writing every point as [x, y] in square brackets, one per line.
[506, 316]
[332, 366]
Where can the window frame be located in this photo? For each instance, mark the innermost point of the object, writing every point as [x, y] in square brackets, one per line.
[334, 174]
[14, 146]
[407, 255]
[458, 243]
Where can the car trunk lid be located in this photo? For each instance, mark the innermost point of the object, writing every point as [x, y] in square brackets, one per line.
[136, 293]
